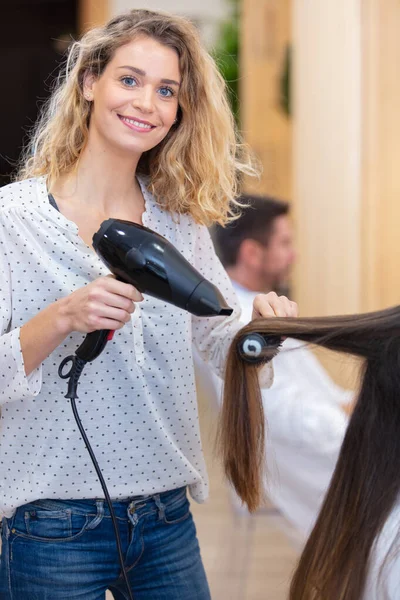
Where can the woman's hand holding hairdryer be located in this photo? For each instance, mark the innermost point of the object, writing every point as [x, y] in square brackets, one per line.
[105, 303]
[272, 305]
[98, 309]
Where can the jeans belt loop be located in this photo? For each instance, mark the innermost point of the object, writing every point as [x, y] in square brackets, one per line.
[160, 506]
[99, 516]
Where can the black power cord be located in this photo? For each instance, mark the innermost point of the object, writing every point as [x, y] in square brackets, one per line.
[73, 376]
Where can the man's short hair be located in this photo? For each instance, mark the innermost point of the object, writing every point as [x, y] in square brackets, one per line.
[255, 222]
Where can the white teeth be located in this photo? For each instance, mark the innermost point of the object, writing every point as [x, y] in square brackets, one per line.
[136, 123]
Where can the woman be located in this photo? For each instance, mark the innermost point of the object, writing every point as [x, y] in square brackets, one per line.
[353, 552]
[139, 129]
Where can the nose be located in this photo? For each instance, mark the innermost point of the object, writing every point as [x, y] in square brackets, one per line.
[144, 99]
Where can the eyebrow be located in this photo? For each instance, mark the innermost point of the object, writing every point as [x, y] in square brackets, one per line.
[143, 74]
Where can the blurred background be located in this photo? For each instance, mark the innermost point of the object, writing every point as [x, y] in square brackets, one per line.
[315, 90]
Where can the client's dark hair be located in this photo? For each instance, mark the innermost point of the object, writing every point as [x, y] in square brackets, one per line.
[366, 481]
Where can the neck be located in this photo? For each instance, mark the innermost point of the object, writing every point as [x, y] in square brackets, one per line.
[249, 280]
[103, 179]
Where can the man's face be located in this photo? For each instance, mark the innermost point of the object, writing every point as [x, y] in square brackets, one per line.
[279, 255]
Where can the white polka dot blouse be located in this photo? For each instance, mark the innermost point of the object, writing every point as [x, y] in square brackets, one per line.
[137, 400]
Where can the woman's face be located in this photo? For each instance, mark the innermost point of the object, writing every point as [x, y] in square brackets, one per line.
[135, 100]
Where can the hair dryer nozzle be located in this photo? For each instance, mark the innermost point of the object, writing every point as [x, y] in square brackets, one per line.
[207, 301]
[225, 312]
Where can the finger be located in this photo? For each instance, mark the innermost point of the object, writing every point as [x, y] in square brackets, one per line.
[290, 307]
[123, 289]
[118, 301]
[277, 305]
[109, 324]
[116, 314]
[262, 307]
[294, 309]
[286, 306]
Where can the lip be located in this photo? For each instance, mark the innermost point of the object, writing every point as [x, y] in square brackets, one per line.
[135, 127]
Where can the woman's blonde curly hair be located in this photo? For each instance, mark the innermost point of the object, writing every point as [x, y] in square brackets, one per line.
[196, 168]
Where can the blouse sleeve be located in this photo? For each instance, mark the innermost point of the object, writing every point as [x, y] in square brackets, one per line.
[14, 385]
[212, 336]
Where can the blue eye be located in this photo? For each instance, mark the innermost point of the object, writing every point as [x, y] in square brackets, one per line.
[129, 81]
[166, 92]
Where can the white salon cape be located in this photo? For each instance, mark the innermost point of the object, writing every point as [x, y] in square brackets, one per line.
[383, 580]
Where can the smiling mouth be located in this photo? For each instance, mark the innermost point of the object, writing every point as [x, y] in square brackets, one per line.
[135, 124]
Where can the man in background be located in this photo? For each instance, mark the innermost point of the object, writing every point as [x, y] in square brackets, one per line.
[257, 249]
[304, 409]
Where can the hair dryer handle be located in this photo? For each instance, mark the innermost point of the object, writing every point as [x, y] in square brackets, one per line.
[94, 344]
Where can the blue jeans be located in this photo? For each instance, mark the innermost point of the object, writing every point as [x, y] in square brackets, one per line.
[66, 550]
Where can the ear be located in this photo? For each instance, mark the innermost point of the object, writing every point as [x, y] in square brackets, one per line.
[89, 80]
[250, 253]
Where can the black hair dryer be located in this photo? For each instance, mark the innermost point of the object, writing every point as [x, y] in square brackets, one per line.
[138, 255]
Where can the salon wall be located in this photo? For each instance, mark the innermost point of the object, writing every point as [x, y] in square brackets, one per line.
[338, 156]
[207, 14]
[92, 13]
[381, 154]
[266, 34]
[311, 158]
[327, 143]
